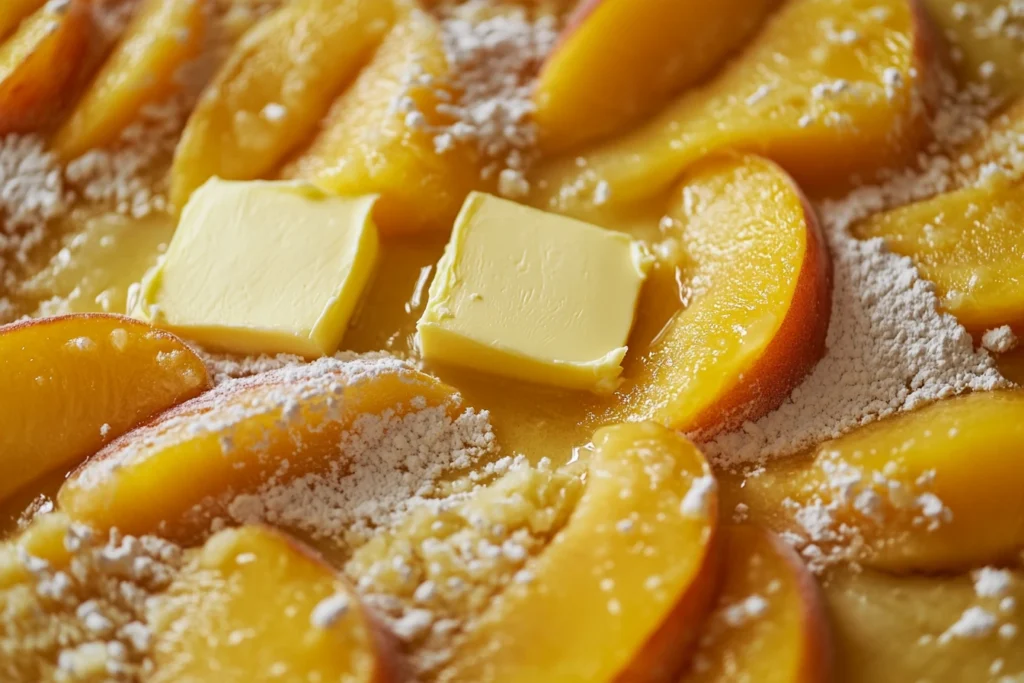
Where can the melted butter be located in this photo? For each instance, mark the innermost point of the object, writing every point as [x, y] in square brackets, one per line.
[92, 272]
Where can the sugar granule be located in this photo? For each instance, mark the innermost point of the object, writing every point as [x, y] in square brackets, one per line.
[999, 340]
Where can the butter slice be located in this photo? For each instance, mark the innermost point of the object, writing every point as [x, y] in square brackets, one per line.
[533, 295]
[263, 267]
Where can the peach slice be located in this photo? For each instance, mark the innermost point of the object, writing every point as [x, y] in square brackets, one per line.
[72, 383]
[762, 290]
[274, 88]
[162, 36]
[39, 63]
[969, 244]
[828, 89]
[770, 623]
[917, 491]
[620, 592]
[13, 12]
[618, 60]
[368, 145]
[255, 605]
[173, 471]
[889, 629]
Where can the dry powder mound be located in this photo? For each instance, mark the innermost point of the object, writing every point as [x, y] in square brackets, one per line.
[493, 60]
[224, 367]
[86, 620]
[386, 465]
[888, 350]
[32, 193]
[442, 565]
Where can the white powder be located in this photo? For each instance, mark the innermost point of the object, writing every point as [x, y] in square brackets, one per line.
[91, 614]
[746, 610]
[329, 611]
[387, 464]
[990, 582]
[493, 61]
[32, 193]
[999, 340]
[223, 367]
[975, 622]
[695, 502]
[127, 177]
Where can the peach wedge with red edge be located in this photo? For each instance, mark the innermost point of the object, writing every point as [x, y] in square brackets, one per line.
[40, 62]
[618, 60]
[969, 244]
[162, 36]
[173, 473]
[369, 146]
[72, 383]
[829, 89]
[253, 605]
[619, 594]
[274, 88]
[770, 624]
[934, 490]
[757, 322]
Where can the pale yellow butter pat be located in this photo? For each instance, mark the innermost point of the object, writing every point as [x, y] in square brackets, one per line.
[263, 267]
[533, 295]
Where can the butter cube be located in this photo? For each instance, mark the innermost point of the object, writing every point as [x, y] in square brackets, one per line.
[533, 295]
[263, 267]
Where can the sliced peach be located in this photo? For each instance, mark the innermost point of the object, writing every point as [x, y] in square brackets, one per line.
[770, 623]
[918, 491]
[39, 63]
[256, 605]
[760, 312]
[969, 244]
[162, 36]
[620, 592]
[13, 12]
[73, 383]
[172, 473]
[618, 60]
[890, 629]
[370, 145]
[274, 88]
[828, 89]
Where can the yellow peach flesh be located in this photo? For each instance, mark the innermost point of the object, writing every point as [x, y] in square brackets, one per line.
[754, 251]
[918, 491]
[969, 244]
[618, 60]
[822, 109]
[620, 592]
[171, 473]
[274, 88]
[254, 603]
[39, 63]
[770, 624]
[162, 36]
[367, 147]
[74, 383]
